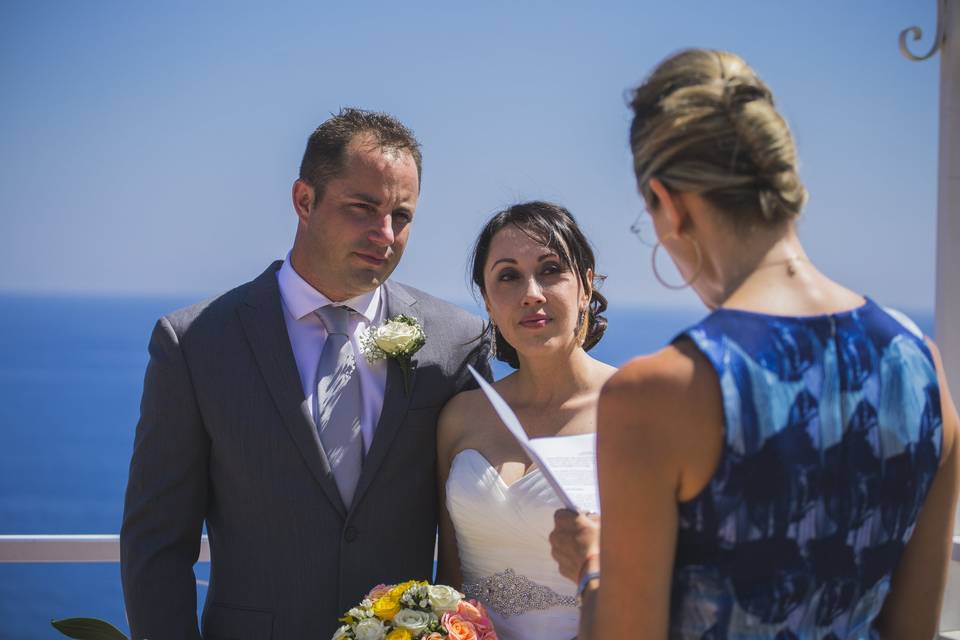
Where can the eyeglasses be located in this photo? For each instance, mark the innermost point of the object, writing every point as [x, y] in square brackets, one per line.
[642, 227]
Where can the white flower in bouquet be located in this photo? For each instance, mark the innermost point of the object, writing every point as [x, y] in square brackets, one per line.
[360, 613]
[443, 598]
[416, 610]
[413, 621]
[369, 629]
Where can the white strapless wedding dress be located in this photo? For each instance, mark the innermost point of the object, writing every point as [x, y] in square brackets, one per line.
[502, 537]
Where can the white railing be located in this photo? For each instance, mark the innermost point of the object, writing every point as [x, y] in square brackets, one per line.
[106, 548]
[69, 548]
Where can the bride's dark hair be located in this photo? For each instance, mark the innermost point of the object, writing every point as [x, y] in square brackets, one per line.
[555, 228]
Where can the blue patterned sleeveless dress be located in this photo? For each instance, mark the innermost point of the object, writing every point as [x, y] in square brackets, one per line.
[832, 439]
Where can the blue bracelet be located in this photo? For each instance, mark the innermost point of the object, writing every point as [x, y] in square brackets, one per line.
[584, 581]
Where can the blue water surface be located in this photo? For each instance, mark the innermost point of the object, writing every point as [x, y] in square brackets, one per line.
[71, 370]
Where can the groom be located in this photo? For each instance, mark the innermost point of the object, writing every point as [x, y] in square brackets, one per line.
[312, 467]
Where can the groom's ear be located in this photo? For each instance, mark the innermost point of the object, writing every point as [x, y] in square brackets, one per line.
[303, 194]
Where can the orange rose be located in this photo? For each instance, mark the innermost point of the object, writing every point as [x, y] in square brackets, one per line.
[470, 610]
[458, 628]
[474, 613]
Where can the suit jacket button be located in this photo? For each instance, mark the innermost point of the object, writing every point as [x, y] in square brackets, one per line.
[350, 533]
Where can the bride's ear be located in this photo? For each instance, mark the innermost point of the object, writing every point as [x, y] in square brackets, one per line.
[588, 287]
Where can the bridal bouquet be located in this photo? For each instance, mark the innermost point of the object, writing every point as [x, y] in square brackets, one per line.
[415, 610]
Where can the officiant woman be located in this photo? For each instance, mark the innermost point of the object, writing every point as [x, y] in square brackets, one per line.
[787, 467]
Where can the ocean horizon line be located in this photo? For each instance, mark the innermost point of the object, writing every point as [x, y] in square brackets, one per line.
[193, 297]
[181, 299]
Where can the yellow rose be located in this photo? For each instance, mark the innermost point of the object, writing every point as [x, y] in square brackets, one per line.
[386, 607]
[399, 634]
[398, 590]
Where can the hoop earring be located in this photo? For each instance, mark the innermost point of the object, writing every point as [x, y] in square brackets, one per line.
[584, 325]
[493, 340]
[696, 273]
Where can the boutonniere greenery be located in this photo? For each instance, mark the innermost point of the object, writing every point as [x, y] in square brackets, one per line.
[398, 339]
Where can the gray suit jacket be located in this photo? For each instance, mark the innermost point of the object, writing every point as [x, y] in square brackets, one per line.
[225, 436]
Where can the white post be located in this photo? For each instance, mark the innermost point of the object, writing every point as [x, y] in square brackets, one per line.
[948, 249]
[948, 200]
[947, 323]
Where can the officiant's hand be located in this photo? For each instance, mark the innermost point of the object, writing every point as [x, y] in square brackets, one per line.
[575, 542]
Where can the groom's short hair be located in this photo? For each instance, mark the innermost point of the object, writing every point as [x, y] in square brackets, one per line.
[325, 154]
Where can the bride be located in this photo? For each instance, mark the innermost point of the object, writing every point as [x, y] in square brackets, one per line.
[535, 271]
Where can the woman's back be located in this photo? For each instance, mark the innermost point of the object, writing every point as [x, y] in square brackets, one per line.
[832, 437]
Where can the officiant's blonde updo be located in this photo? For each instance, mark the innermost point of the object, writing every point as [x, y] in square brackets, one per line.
[705, 123]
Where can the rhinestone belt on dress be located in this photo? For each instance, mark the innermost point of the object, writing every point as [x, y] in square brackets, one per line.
[511, 594]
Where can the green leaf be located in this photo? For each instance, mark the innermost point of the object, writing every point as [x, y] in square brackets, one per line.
[87, 629]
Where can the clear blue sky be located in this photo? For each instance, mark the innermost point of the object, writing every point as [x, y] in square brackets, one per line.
[150, 147]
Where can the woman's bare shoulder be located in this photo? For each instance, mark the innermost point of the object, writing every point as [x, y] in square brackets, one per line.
[458, 419]
[951, 420]
[460, 406]
[670, 371]
[667, 406]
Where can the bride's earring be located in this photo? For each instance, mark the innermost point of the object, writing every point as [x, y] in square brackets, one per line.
[493, 340]
[583, 326]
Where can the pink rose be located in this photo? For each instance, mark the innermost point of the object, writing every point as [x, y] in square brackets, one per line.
[433, 636]
[485, 629]
[470, 610]
[458, 628]
[474, 613]
[378, 592]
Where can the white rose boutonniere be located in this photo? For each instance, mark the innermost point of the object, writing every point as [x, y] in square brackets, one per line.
[398, 339]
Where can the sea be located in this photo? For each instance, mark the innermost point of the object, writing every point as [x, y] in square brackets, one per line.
[71, 374]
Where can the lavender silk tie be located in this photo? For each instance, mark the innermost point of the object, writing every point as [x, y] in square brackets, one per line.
[337, 405]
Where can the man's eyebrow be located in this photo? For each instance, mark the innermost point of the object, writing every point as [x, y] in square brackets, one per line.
[365, 197]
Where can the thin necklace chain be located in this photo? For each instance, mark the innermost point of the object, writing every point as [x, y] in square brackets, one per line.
[791, 264]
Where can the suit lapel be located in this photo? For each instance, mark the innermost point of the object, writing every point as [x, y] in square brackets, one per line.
[262, 320]
[396, 400]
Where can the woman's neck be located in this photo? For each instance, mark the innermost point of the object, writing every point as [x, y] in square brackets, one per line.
[553, 379]
[733, 268]
[771, 274]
